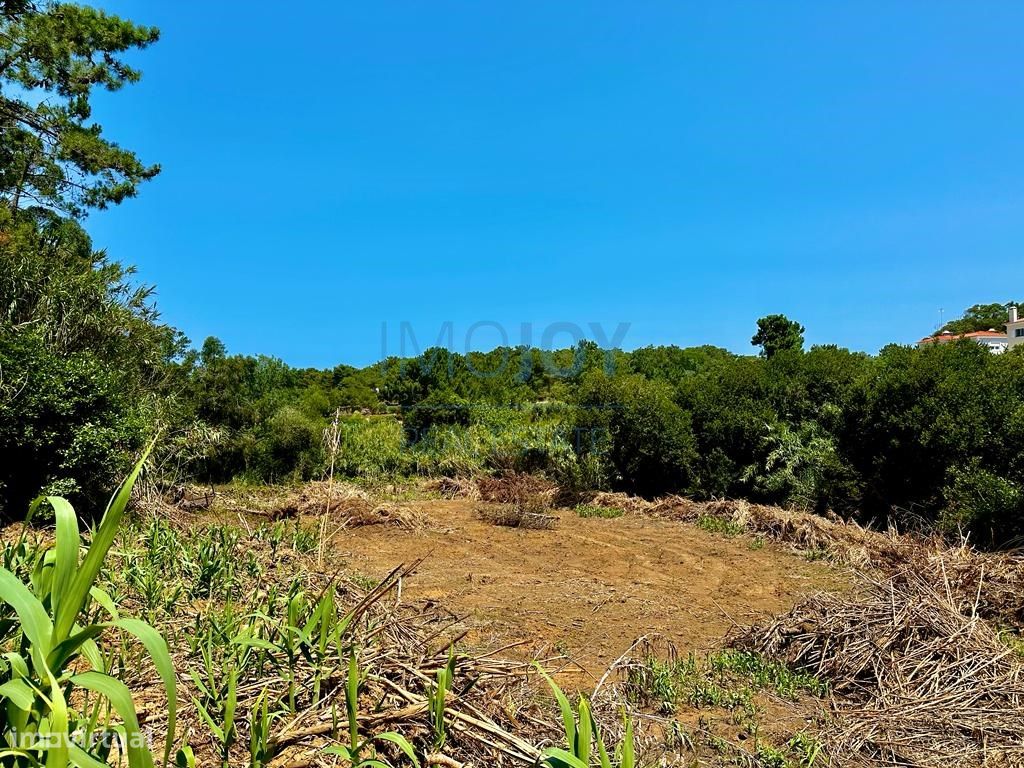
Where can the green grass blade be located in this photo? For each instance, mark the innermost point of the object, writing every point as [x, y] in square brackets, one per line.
[568, 720]
[185, 758]
[248, 641]
[63, 652]
[602, 751]
[82, 759]
[559, 758]
[58, 755]
[402, 743]
[230, 705]
[120, 698]
[35, 622]
[352, 700]
[628, 759]
[91, 653]
[101, 543]
[19, 693]
[105, 601]
[205, 715]
[155, 644]
[584, 732]
[68, 543]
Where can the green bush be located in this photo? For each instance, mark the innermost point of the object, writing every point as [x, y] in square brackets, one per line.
[372, 447]
[634, 425]
[66, 423]
[59, 680]
[927, 411]
[439, 408]
[83, 362]
[799, 468]
[983, 503]
[289, 446]
[501, 440]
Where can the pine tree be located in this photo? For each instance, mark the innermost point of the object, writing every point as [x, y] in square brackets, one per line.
[52, 57]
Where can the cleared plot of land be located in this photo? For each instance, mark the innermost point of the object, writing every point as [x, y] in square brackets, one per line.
[589, 587]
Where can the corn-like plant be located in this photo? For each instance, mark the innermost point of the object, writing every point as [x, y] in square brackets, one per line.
[359, 752]
[323, 632]
[54, 657]
[261, 749]
[217, 707]
[436, 699]
[150, 584]
[223, 656]
[292, 639]
[582, 737]
[214, 563]
[304, 540]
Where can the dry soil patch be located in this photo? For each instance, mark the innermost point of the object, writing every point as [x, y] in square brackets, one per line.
[589, 587]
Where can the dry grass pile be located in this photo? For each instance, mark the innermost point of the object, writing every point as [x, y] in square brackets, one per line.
[388, 513]
[841, 541]
[961, 567]
[347, 505]
[505, 488]
[633, 505]
[920, 678]
[518, 501]
[518, 516]
[513, 487]
[322, 497]
[453, 488]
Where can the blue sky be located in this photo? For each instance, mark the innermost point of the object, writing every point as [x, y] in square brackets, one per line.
[682, 167]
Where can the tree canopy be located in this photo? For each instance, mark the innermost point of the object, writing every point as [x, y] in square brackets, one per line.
[776, 333]
[52, 57]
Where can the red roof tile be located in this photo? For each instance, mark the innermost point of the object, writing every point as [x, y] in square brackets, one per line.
[971, 335]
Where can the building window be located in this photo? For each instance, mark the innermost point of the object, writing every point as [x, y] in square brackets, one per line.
[1019, 333]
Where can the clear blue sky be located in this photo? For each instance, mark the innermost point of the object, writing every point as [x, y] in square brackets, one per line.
[683, 167]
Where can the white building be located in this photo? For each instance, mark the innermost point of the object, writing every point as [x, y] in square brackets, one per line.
[1014, 329]
[994, 341]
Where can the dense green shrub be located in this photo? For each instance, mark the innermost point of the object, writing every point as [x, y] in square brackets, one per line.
[513, 447]
[289, 446]
[83, 362]
[372, 446]
[984, 504]
[636, 427]
[66, 423]
[926, 411]
[449, 450]
[439, 408]
[799, 468]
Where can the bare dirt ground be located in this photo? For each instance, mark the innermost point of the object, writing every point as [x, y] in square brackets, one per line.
[589, 587]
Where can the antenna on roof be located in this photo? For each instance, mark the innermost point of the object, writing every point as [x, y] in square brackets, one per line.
[941, 311]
